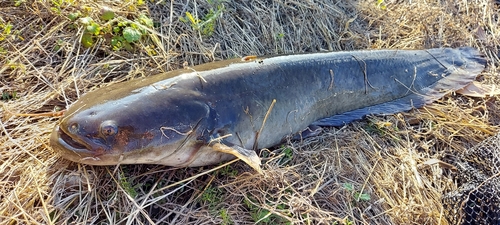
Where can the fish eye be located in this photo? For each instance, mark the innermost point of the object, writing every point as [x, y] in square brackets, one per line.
[108, 128]
[73, 128]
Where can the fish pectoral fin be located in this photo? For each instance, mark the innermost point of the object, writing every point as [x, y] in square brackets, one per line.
[248, 156]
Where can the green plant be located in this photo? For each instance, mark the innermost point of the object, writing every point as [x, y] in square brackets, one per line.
[18, 2]
[345, 221]
[127, 186]
[121, 32]
[17, 66]
[205, 25]
[212, 196]
[9, 95]
[58, 5]
[280, 36]
[378, 127]
[287, 155]
[59, 45]
[140, 2]
[358, 196]
[107, 14]
[225, 217]
[227, 171]
[264, 216]
[6, 30]
[381, 4]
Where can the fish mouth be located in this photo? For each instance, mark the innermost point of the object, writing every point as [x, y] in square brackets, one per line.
[69, 142]
[71, 149]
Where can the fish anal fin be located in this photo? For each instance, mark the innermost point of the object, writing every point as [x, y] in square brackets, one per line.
[310, 131]
[250, 157]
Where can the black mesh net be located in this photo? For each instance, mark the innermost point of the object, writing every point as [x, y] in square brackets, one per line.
[477, 201]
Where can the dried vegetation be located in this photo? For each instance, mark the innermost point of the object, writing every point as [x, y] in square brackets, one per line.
[382, 170]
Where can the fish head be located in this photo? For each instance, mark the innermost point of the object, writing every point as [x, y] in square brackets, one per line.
[135, 129]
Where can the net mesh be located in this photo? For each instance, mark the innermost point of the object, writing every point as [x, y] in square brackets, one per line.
[477, 201]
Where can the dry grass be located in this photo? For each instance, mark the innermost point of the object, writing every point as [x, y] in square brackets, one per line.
[319, 180]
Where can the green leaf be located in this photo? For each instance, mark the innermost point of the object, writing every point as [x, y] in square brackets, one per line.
[183, 19]
[131, 34]
[74, 16]
[260, 216]
[116, 42]
[127, 186]
[116, 30]
[87, 40]
[94, 28]
[59, 44]
[8, 28]
[145, 20]
[362, 197]
[122, 24]
[134, 25]
[192, 19]
[381, 4]
[107, 14]
[18, 2]
[86, 20]
[348, 187]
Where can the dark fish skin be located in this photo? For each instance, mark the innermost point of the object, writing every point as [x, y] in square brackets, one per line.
[196, 116]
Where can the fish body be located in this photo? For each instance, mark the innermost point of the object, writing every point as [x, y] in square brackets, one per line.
[217, 111]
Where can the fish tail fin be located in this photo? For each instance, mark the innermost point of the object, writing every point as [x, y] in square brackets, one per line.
[460, 74]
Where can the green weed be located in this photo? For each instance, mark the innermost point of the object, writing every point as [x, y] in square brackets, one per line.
[127, 186]
[9, 95]
[345, 221]
[381, 4]
[264, 216]
[280, 36]
[58, 5]
[227, 171]
[226, 220]
[6, 30]
[286, 155]
[358, 196]
[118, 31]
[205, 25]
[213, 197]
[19, 2]
[379, 127]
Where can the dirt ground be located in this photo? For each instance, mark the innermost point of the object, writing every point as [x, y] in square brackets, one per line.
[381, 170]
